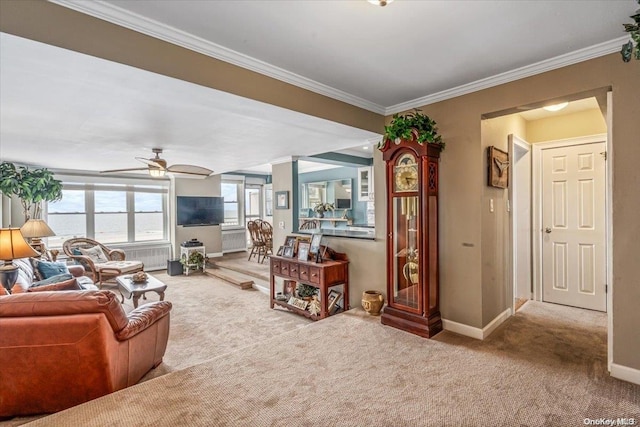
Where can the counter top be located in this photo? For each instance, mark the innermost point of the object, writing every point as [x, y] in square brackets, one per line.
[343, 232]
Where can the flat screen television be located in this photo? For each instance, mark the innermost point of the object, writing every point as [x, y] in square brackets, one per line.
[196, 211]
[343, 203]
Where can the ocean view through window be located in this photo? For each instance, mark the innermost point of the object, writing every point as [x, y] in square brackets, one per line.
[109, 213]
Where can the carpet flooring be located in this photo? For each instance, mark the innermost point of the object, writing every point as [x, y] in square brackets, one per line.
[545, 366]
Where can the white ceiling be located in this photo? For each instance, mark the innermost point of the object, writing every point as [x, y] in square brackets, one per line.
[61, 109]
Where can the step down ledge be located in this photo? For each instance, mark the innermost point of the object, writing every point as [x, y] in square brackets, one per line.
[229, 277]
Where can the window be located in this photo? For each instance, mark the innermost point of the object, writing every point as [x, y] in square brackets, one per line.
[109, 213]
[67, 217]
[231, 191]
[149, 217]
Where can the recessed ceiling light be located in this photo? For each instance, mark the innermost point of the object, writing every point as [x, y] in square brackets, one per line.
[365, 148]
[556, 107]
[380, 2]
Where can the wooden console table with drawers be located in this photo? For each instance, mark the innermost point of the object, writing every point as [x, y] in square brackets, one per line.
[323, 276]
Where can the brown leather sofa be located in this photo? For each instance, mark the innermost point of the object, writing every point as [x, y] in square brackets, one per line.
[60, 349]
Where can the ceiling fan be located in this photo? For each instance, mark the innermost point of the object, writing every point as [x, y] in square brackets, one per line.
[157, 167]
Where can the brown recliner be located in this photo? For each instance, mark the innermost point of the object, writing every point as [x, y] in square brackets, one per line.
[60, 349]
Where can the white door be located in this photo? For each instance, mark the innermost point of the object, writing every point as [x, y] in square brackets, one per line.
[573, 226]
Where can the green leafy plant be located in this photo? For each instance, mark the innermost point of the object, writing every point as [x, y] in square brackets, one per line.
[631, 49]
[32, 186]
[324, 207]
[412, 126]
[306, 291]
[194, 259]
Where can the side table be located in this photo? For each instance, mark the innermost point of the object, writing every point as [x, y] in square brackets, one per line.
[185, 253]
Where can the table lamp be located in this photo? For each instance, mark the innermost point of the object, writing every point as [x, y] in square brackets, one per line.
[35, 229]
[12, 246]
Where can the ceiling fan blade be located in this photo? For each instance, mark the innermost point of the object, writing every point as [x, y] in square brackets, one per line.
[190, 170]
[157, 163]
[124, 170]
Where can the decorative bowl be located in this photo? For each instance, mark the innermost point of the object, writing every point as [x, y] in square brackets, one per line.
[140, 277]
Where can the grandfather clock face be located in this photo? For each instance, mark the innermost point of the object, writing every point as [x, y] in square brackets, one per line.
[406, 174]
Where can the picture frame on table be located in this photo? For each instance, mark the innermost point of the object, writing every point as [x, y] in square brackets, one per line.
[290, 241]
[280, 251]
[287, 252]
[332, 299]
[282, 200]
[316, 239]
[303, 251]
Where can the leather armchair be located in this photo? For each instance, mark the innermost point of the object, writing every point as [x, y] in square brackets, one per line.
[60, 349]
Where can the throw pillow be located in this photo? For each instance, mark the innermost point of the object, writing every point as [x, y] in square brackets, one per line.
[95, 253]
[46, 269]
[68, 285]
[53, 279]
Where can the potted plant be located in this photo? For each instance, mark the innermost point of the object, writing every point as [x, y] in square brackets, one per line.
[306, 292]
[631, 49]
[412, 126]
[195, 259]
[321, 208]
[32, 186]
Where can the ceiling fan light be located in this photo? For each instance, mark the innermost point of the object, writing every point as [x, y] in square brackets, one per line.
[380, 2]
[156, 172]
[556, 107]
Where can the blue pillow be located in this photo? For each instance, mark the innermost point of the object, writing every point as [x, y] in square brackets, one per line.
[48, 269]
[76, 251]
[53, 279]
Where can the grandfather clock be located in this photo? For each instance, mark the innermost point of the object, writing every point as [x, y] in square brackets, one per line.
[412, 237]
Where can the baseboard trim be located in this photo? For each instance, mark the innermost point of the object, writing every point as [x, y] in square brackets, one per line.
[477, 333]
[260, 288]
[625, 373]
[214, 254]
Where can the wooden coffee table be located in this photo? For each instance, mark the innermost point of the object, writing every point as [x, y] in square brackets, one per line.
[133, 290]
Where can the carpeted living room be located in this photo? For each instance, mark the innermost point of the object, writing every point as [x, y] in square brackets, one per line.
[232, 361]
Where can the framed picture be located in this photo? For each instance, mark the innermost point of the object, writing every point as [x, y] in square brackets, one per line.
[332, 299]
[282, 200]
[316, 238]
[498, 167]
[287, 252]
[298, 303]
[280, 251]
[303, 251]
[290, 241]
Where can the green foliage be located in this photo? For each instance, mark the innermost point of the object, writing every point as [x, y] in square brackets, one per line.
[195, 258]
[631, 49]
[324, 207]
[305, 291]
[32, 186]
[412, 126]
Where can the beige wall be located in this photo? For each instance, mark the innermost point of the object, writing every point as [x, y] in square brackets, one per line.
[583, 123]
[463, 193]
[496, 292]
[210, 235]
[466, 230]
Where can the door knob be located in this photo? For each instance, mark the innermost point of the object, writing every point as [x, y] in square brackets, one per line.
[547, 230]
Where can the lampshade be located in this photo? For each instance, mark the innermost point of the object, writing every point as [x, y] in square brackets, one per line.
[13, 245]
[36, 228]
[156, 172]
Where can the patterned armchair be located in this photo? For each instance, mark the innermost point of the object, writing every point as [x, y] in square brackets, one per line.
[98, 260]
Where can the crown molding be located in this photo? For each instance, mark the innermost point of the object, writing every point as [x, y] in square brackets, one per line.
[580, 55]
[135, 22]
